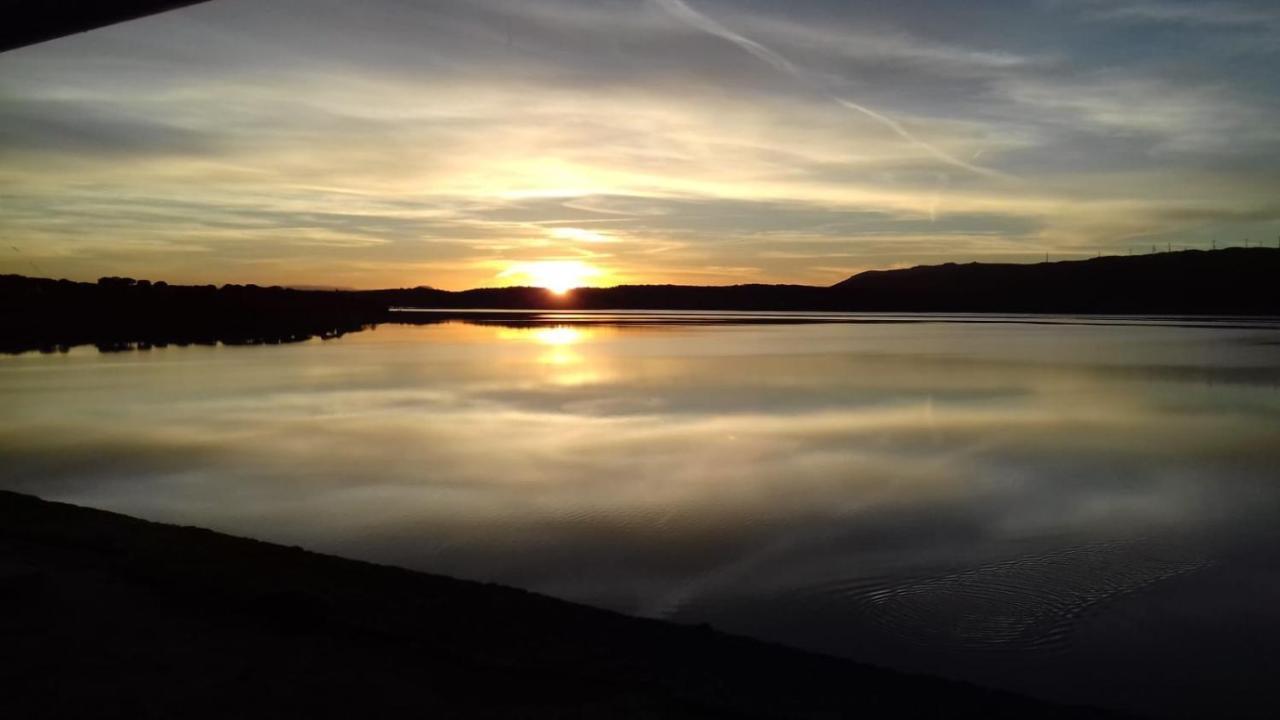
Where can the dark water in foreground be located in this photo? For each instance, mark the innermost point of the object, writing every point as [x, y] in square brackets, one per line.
[1086, 512]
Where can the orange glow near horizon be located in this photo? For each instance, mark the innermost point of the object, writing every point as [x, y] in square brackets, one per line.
[557, 276]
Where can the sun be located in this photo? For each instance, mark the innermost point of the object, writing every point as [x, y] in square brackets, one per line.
[558, 276]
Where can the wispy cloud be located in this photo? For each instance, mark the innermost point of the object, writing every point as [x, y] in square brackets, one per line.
[433, 142]
[682, 10]
[1199, 13]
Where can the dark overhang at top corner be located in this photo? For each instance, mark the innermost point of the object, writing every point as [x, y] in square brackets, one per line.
[27, 23]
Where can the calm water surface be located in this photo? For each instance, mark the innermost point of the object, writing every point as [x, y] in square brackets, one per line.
[1087, 512]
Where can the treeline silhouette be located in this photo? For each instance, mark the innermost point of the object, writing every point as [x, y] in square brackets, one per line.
[123, 313]
[120, 313]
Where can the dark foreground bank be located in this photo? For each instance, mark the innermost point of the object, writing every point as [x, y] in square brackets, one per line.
[104, 615]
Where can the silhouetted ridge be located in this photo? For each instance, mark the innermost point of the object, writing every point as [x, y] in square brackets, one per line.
[123, 313]
[1230, 281]
[621, 297]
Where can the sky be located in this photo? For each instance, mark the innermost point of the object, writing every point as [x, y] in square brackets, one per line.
[396, 143]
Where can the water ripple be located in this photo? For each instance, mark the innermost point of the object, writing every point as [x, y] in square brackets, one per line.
[1031, 603]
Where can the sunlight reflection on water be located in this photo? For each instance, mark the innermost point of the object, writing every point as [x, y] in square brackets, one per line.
[980, 500]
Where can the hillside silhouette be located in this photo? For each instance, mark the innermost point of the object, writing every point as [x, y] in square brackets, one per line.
[1233, 281]
[123, 313]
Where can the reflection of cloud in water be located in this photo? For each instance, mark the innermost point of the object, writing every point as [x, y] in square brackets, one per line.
[949, 467]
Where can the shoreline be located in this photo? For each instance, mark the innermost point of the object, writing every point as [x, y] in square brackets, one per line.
[108, 615]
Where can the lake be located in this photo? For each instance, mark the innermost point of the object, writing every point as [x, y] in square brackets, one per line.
[1082, 509]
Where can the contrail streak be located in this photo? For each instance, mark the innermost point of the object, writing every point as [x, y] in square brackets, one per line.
[682, 11]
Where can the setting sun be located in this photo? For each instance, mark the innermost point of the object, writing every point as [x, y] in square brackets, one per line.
[558, 276]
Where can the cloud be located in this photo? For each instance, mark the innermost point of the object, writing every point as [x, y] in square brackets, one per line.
[1226, 28]
[1178, 116]
[398, 144]
[680, 9]
[32, 126]
[1200, 13]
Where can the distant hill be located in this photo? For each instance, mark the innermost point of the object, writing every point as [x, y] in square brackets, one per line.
[119, 313]
[1231, 281]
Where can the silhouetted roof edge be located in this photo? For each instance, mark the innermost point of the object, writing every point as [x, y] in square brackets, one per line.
[40, 22]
